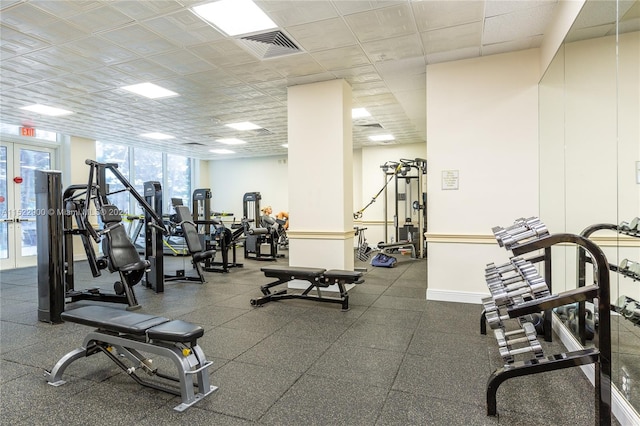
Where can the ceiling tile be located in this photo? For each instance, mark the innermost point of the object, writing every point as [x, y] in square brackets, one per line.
[393, 49]
[452, 38]
[341, 58]
[348, 7]
[26, 17]
[520, 24]
[183, 28]
[223, 53]
[100, 50]
[138, 39]
[288, 13]
[313, 36]
[140, 10]
[382, 23]
[182, 62]
[13, 42]
[99, 18]
[431, 15]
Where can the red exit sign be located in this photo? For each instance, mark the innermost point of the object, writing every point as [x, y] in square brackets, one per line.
[28, 131]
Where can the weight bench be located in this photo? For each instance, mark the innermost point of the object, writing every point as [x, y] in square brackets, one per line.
[121, 334]
[316, 277]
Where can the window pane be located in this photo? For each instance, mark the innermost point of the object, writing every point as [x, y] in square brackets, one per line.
[118, 154]
[147, 167]
[178, 180]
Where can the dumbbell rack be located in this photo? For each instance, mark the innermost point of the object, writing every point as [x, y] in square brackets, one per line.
[583, 259]
[525, 230]
[599, 355]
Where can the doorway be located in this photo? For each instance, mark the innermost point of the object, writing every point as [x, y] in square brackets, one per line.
[18, 239]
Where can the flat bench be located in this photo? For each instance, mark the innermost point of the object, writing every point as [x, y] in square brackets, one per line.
[122, 334]
[316, 277]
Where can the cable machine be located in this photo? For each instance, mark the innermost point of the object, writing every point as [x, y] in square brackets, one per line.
[408, 204]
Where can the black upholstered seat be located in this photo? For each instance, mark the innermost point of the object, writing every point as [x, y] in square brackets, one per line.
[191, 237]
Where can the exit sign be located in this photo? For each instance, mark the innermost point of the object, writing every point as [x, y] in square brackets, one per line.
[28, 131]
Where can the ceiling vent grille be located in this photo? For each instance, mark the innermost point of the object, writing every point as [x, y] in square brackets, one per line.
[268, 45]
[193, 144]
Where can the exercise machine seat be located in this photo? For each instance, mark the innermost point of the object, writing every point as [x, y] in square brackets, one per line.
[107, 318]
[292, 273]
[123, 256]
[176, 331]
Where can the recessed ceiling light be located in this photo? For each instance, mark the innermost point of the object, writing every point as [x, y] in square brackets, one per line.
[244, 125]
[359, 113]
[231, 141]
[285, 145]
[46, 110]
[155, 135]
[381, 138]
[235, 17]
[150, 90]
[221, 151]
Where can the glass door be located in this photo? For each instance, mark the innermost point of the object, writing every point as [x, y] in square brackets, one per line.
[18, 239]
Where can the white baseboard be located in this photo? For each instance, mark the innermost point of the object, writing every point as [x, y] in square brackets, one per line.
[455, 296]
[622, 410]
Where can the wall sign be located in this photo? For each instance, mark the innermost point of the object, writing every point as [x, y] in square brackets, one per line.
[28, 131]
[450, 179]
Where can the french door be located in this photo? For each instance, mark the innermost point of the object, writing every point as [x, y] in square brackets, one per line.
[18, 239]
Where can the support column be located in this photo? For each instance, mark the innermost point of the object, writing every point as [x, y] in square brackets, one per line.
[320, 175]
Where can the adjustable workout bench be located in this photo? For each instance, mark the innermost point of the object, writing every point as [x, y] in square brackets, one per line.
[317, 277]
[121, 334]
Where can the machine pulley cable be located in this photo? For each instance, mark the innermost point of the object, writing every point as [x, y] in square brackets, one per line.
[398, 167]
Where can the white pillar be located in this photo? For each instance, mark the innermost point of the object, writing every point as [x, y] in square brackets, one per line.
[320, 175]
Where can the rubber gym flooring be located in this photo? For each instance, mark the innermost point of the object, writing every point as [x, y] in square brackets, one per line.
[393, 359]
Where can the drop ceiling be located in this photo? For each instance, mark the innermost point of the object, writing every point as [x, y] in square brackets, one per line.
[77, 55]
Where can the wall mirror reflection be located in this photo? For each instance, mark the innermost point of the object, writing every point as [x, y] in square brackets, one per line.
[589, 184]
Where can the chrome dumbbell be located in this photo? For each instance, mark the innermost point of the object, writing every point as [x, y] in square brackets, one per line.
[630, 268]
[505, 343]
[492, 313]
[538, 231]
[522, 228]
[630, 227]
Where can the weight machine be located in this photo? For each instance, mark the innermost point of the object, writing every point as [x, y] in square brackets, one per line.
[409, 202]
[68, 215]
[215, 233]
[257, 236]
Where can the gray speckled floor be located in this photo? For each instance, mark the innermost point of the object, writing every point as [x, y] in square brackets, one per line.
[392, 359]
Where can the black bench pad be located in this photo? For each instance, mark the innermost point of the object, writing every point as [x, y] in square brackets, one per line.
[113, 319]
[346, 276]
[176, 331]
[292, 272]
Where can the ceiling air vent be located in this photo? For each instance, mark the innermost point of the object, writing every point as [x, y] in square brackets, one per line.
[268, 45]
[193, 144]
[371, 126]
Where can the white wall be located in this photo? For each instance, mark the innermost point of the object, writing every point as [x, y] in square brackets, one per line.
[231, 179]
[482, 120]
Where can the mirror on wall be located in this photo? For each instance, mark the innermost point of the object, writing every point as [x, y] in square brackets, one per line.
[589, 154]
